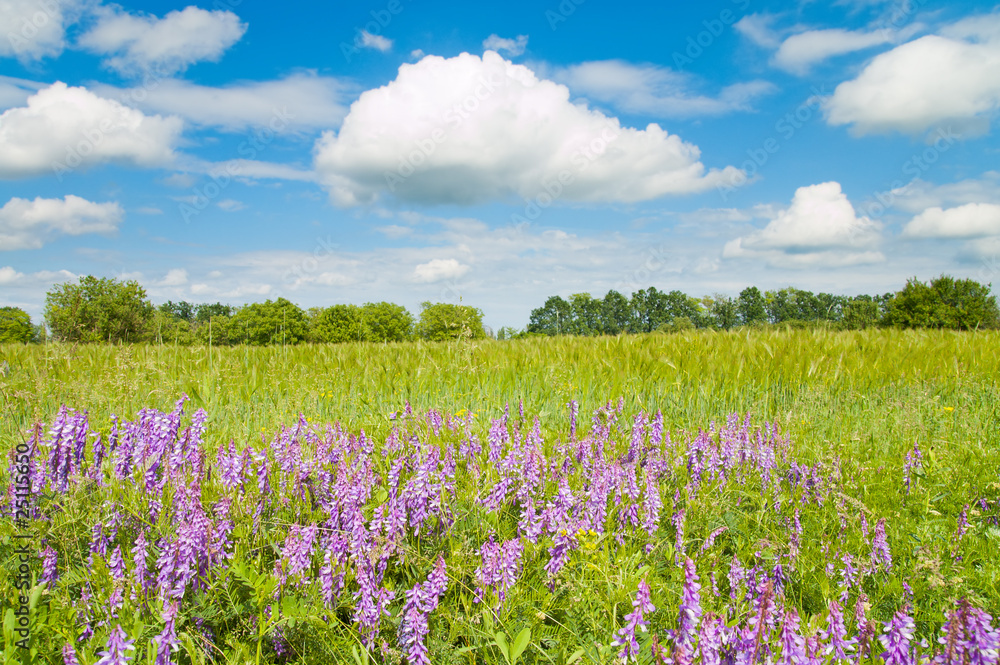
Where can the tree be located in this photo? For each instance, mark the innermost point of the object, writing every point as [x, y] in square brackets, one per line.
[98, 310]
[445, 321]
[751, 306]
[170, 328]
[203, 313]
[616, 314]
[386, 322]
[339, 323]
[860, 312]
[15, 326]
[724, 312]
[555, 317]
[277, 322]
[182, 310]
[960, 304]
[587, 316]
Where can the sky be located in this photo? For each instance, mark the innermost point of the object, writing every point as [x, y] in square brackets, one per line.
[412, 151]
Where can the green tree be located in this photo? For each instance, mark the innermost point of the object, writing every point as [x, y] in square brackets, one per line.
[587, 317]
[860, 312]
[168, 328]
[386, 322]
[444, 321]
[203, 313]
[271, 322]
[616, 314]
[751, 306]
[182, 310]
[724, 312]
[960, 304]
[555, 317]
[98, 310]
[339, 323]
[15, 325]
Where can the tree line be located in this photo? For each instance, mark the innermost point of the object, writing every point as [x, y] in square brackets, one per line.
[109, 310]
[945, 302]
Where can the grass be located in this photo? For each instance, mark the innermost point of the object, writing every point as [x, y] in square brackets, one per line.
[855, 402]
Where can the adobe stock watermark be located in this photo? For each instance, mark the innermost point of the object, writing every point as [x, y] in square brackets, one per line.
[697, 44]
[223, 175]
[902, 13]
[914, 166]
[785, 128]
[381, 18]
[553, 186]
[29, 26]
[454, 117]
[304, 270]
[562, 12]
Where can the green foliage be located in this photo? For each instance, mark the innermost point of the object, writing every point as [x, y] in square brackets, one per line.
[167, 328]
[386, 322]
[15, 326]
[339, 323]
[182, 310]
[957, 304]
[553, 318]
[270, 322]
[445, 321]
[98, 310]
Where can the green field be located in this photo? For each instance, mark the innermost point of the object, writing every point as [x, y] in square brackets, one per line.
[853, 402]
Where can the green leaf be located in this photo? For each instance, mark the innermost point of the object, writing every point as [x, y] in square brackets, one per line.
[575, 656]
[500, 639]
[520, 644]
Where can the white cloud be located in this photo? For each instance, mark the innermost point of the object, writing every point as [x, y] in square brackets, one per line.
[438, 269]
[967, 221]
[299, 101]
[143, 43]
[654, 90]
[62, 128]
[949, 79]
[377, 42]
[803, 50]
[28, 224]
[15, 91]
[34, 29]
[820, 227]
[8, 275]
[757, 28]
[513, 47]
[919, 195]
[174, 277]
[149, 210]
[231, 205]
[469, 129]
[180, 180]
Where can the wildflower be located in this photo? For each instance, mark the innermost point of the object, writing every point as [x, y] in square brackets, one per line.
[983, 643]
[50, 570]
[69, 655]
[836, 633]
[635, 619]
[897, 639]
[690, 609]
[421, 600]
[118, 643]
[880, 548]
[793, 649]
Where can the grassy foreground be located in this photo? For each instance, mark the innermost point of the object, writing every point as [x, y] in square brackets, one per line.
[849, 406]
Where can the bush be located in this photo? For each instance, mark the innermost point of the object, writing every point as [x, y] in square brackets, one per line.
[98, 310]
[15, 326]
[444, 321]
[277, 322]
[958, 304]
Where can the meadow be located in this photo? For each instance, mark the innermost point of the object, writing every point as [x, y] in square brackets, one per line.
[747, 496]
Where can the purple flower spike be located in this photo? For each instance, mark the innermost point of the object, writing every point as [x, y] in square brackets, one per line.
[118, 644]
[625, 637]
[897, 639]
[690, 609]
[793, 645]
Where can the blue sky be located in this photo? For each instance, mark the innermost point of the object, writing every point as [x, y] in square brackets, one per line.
[406, 150]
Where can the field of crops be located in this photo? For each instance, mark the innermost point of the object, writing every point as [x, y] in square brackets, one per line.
[743, 497]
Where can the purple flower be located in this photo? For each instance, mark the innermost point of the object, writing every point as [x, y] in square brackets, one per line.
[421, 600]
[117, 565]
[118, 643]
[836, 633]
[69, 655]
[50, 570]
[710, 643]
[897, 639]
[983, 643]
[880, 548]
[625, 637]
[793, 645]
[166, 641]
[690, 609]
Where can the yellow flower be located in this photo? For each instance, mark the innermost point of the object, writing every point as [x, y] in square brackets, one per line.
[948, 408]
